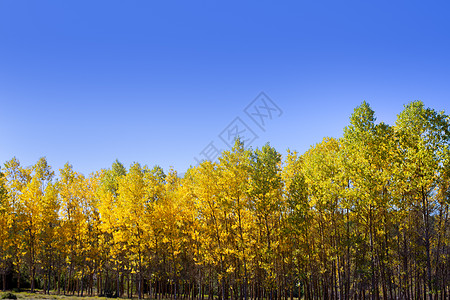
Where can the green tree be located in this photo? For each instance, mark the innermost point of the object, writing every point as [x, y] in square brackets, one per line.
[424, 137]
[267, 205]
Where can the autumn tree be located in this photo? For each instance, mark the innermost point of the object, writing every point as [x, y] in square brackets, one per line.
[298, 224]
[4, 233]
[363, 215]
[234, 166]
[132, 221]
[424, 137]
[267, 205]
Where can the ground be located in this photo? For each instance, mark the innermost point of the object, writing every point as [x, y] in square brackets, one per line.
[40, 295]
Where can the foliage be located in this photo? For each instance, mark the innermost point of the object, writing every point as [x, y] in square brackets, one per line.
[9, 296]
[363, 215]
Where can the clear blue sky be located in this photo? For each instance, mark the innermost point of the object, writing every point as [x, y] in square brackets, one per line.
[156, 81]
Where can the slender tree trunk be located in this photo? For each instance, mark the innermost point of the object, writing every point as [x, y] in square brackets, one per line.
[4, 280]
[427, 240]
[372, 258]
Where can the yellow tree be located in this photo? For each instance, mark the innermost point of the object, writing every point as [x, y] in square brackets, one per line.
[48, 218]
[205, 190]
[111, 253]
[87, 244]
[132, 216]
[234, 177]
[194, 267]
[4, 233]
[323, 179]
[32, 199]
[17, 178]
[73, 191]
[298, 221]
[268, 208]
[170, 219]
[155, 251]
[94, 238]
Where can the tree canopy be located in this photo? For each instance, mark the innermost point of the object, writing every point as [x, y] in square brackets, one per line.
[365, 215]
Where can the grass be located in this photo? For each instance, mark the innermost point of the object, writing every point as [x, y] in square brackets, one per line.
[41, 295]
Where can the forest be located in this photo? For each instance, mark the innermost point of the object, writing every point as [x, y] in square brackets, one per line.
[362, 216]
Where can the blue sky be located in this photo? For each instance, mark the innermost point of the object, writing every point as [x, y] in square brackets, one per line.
[155, 82]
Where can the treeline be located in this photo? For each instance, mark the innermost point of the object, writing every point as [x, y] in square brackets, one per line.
[366, 215]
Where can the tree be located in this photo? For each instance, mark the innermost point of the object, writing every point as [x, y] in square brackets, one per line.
[234, 175]
[298, 221]
[325, 189]
[4, 233]
[48, 221]
[268, 207]
[363, 215]
[17, 178]
[73, 191]
[110, 252]
[31, 201]
[132, 214]
[424, 137]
